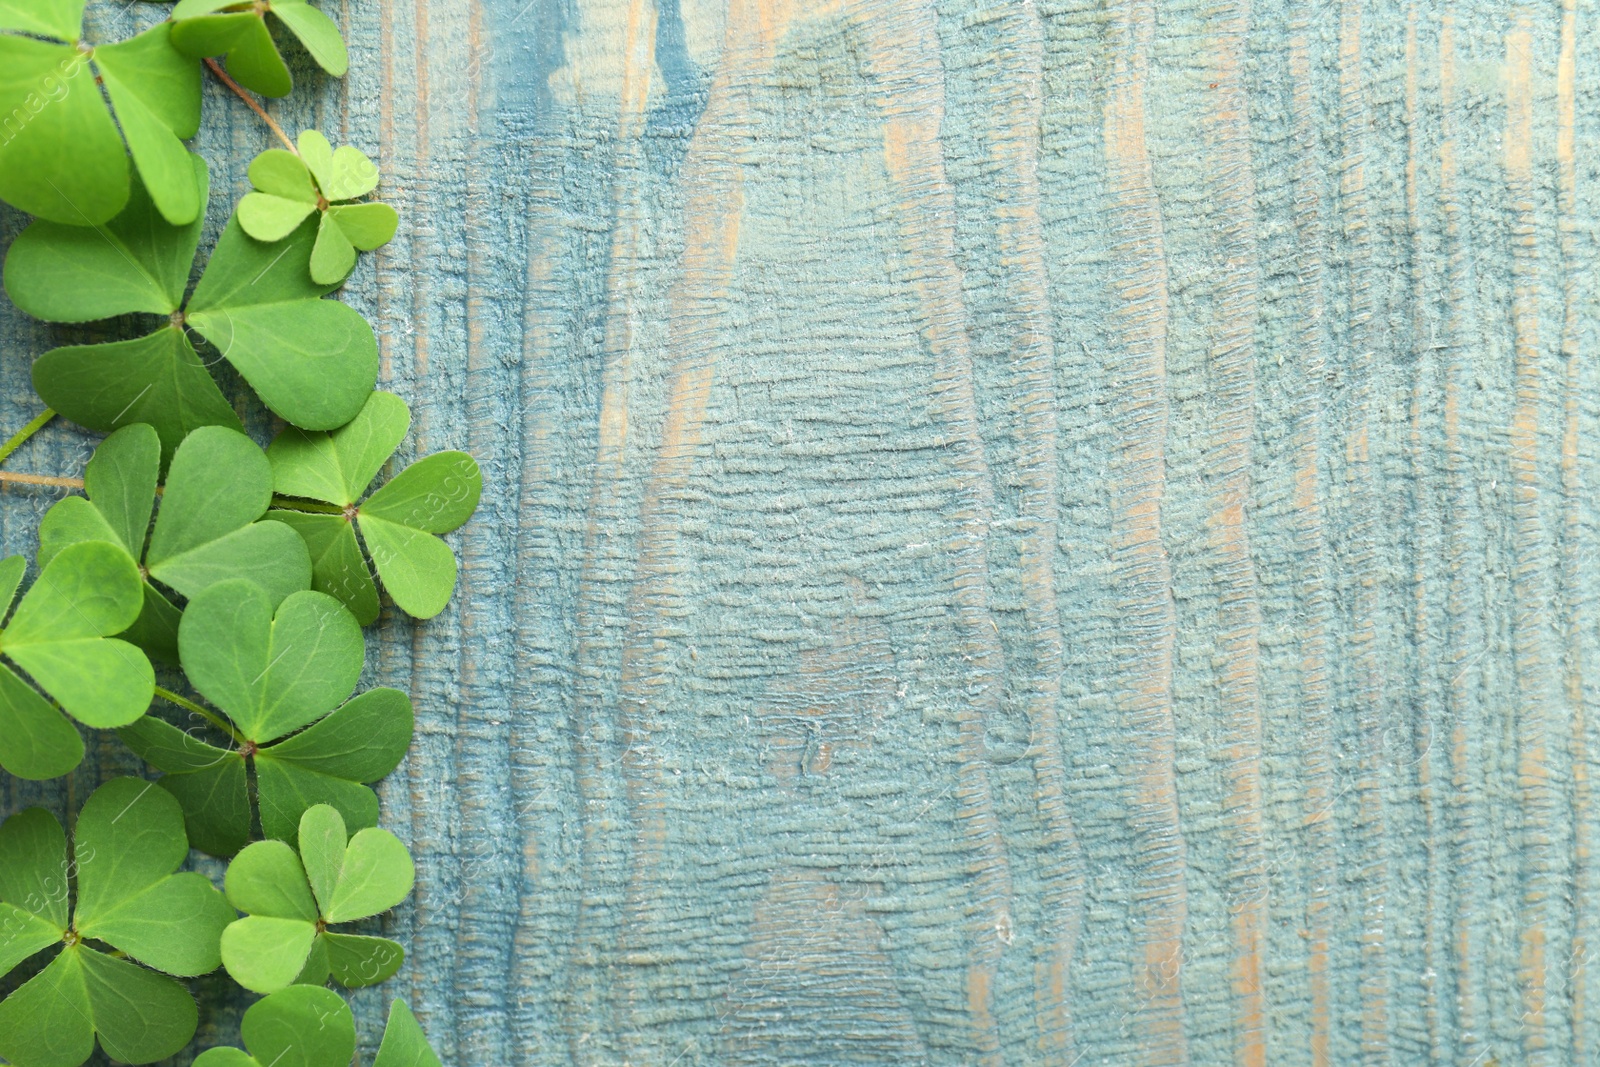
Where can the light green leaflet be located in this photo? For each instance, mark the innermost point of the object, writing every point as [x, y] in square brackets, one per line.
[62, 155]
[302, 1026]
[312, 361]
[127, 845]
[219, 484]
[59, 635]
[290, 188]
[239, 32]
[404, 1043]
[270, 672]
[307, 1026]
[399, 523]
[290, 899]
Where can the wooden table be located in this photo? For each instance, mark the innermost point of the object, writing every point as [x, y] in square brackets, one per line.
[1014, 533]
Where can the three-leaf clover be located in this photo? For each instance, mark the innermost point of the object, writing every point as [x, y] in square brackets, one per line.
[60, 635]
[127, 844]
[219, 484]
[277, 677]
[239, 31]
[311, 360]
[309, 1026]
[398, 523]
[61, 152]
[291, 899]
[289, 188]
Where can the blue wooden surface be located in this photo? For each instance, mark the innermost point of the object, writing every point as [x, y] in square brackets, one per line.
[1050, 532]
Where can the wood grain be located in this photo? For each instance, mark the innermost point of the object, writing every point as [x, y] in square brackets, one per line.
[1016, 531]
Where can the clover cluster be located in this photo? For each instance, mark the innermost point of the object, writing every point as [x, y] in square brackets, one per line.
[203, 597]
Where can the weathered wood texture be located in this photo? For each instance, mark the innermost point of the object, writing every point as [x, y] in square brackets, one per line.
[1032, 532]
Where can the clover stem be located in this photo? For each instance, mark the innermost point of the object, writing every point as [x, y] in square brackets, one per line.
[23, 434]
[205, 713]
[41, 479]
[239, 91]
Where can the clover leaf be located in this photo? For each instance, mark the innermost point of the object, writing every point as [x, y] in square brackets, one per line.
[290, 188]
[62, 156]
[239, 31]
[309, 1026]
[398, 523]
[360, 742]
[60, 635]
[300, 1026]
[312, 361]
[206, 531]
[290, 899]
[404, 1044]
[126, 847]
[282, 680]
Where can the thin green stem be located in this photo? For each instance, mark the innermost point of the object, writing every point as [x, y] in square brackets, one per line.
[205, 713]
[294, 504]
[23, 434]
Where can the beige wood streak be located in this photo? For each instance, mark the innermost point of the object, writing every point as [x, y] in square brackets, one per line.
[1144, 571]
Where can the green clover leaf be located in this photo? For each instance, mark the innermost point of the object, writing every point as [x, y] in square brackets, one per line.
[327, 763]
[309, 1026]
[290, 188]
[239, 32]
[291, 899]
[282, 679]
[62, 155]
[301, 1026]
[207, 531]
[398, 523]
[128, 843]
[312, 361]
[60, 635]
[404, 1043]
